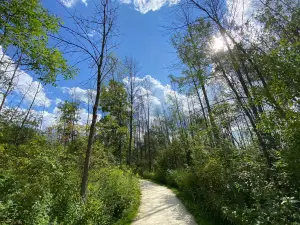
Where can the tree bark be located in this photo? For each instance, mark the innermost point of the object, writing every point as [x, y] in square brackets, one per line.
[10, 84]
[248, 114]
[130, 133]
[84, 182]
[27, 114]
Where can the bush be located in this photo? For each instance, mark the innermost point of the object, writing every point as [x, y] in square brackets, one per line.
[35, 187]
[232, 188]
[118, 191]
[39, 184]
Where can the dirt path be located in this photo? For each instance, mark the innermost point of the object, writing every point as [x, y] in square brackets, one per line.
[160, 206]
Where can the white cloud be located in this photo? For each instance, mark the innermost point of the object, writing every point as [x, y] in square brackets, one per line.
[51, 118]
[26, 86]
[145, 6]
[92, 33]
[84, 2]
[159, 94]
[84, 116]
[71, 3]
[1, 98]
[79, 94]
[239, 10]
[58, 101]
[125, 1]
[23, 83]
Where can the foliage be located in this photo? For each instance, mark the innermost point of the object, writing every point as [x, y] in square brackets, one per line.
[33, 181]
[113, 129]
[25, 26]
[118, 191]
[243, 135]
[39, 184]
[41, 169]
[232, 188]
[69, 116]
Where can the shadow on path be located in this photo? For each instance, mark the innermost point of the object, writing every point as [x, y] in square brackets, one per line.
[159, 205]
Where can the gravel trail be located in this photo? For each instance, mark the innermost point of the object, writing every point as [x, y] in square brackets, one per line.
[160, 206]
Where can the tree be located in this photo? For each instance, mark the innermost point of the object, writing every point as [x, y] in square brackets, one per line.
[68, 118]
[25, 26]
[193, 52]
[131, 69]
[8, 74]
[98, 51]
[114, 124]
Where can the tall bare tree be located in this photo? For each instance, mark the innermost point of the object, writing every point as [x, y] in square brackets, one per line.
[8, 75]
[92, 37]
[133, 87]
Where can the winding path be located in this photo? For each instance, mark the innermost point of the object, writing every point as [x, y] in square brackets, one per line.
[160, 206]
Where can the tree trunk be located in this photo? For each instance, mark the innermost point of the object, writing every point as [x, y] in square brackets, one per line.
[88, 154]
[148, 134]
[200, 101]
[27, 114]
[10, 84]
[130, 135]
[211, 117]
[251, 119]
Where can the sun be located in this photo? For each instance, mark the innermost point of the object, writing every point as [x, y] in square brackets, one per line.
[217, 44]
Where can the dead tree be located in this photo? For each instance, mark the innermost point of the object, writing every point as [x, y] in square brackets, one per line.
[132, 69]
[92, 37]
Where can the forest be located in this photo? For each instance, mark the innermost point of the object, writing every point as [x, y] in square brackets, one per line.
[227, 138]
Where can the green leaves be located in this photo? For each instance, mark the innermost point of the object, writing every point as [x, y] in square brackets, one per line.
[113, 126]
[25, 26]
[114, 99]
[39, 182]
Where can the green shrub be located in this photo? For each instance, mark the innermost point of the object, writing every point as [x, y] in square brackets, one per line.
[118, 191]
[39, 184]
[232, 187]
[35, 185]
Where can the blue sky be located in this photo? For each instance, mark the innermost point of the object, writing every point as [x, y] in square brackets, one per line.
[141, 36]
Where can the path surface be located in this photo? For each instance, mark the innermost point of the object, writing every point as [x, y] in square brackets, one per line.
[160, 206]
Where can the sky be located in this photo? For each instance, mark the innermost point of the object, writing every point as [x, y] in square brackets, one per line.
[141, 36]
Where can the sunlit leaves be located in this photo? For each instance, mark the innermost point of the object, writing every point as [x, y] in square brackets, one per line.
[25, 26]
